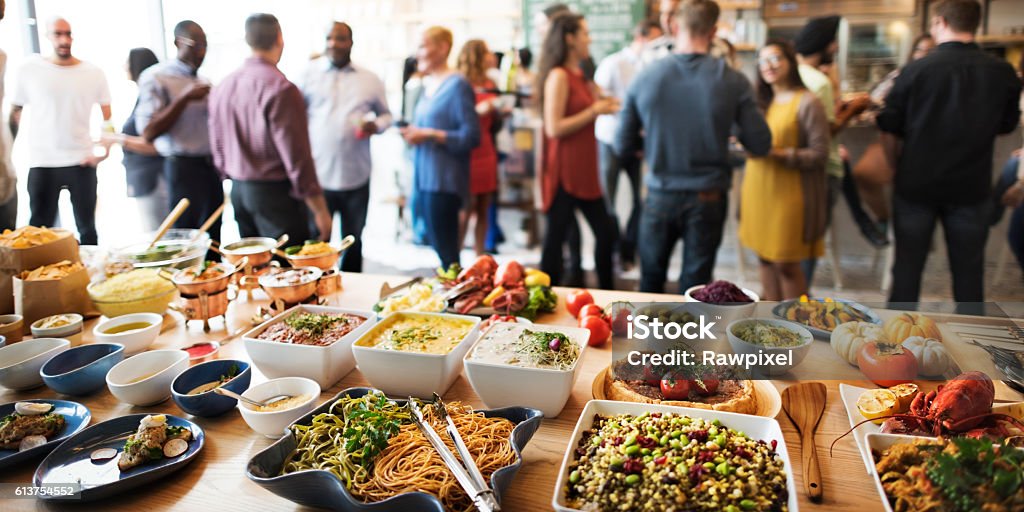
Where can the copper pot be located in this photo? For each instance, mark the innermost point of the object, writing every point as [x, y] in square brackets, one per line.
[321, 261]
[258, 249]
[292, 285]
[187, 286]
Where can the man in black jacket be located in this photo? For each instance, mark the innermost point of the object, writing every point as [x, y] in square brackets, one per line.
[939, 127]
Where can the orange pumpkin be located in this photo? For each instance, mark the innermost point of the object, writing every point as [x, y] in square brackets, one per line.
[905, 325]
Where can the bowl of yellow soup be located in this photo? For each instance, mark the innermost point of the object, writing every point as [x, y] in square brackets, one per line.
[415, 354]
[136, 331]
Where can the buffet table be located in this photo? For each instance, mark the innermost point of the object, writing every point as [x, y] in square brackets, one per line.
[217, 481]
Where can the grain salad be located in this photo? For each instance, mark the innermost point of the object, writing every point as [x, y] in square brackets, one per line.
[673, 462]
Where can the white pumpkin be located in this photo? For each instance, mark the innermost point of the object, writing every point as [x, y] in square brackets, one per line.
[847, 339]
[931, 355]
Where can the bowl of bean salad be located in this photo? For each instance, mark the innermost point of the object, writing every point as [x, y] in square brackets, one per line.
[629, 456]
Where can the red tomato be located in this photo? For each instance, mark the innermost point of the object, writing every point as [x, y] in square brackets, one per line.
[599, 329]
[675, 389]
[651, 376]
[590, 309]
[887, 364]
[619, 312]
[576, 300]
[706, 386]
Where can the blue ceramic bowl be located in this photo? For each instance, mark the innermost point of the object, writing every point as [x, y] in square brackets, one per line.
[321, 489]
[210, 404]
[81, 370]
[3, 341]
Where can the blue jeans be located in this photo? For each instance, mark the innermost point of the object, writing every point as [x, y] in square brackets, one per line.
[966, 230]
[351, 207]
[697, 218]
[1015, 234]
[441, 216]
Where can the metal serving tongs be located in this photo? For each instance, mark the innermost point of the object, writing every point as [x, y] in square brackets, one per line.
[466, 472]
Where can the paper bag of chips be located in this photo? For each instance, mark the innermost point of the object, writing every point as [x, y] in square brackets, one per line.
[52, 290]
[28, 248]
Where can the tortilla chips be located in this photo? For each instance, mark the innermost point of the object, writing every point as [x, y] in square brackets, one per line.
[52, 271]
[28, 236]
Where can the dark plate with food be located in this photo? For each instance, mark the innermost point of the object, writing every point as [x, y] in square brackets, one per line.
[120, 454]
[284, 468]
[38, 428]
[822, 316]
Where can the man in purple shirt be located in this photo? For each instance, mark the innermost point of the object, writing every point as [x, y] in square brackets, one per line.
[260, 140]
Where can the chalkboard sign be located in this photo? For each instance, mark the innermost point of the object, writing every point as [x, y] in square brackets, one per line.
[611, 22]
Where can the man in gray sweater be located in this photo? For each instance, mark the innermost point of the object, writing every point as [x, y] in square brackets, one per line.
[686, 105]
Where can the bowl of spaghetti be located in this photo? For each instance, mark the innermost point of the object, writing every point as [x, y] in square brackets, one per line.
[313, 465]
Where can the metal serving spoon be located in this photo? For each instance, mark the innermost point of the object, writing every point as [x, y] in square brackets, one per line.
[232, 394]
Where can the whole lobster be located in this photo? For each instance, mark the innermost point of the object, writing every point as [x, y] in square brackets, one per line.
[955, 408]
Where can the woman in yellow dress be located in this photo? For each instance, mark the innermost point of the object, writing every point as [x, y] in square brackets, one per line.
[783, 202]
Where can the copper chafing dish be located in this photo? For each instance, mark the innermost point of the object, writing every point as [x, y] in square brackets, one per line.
[183, 278]
[325, 261]
[292, 286]
[259, 250]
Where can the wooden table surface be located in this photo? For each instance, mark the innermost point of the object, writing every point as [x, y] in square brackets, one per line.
[216, 479]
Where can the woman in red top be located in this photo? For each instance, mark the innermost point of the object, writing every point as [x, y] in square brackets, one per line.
[569, 181]
[483, 165]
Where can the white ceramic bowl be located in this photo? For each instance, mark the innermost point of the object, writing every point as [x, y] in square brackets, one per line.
[880, 443]
[134, 341]
[20, 362]
[146, 379]
[326, 365]
[755, 427]
[71, 332]
[273, 423]
[503, 385]
[405, 374]
[799, 352]
[722, 314]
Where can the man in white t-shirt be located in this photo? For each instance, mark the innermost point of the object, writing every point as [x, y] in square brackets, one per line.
[613, 76]
[60, 92]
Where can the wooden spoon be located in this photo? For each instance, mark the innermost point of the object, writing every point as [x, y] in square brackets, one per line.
[804, 404]
[169, 221]
[209, 222]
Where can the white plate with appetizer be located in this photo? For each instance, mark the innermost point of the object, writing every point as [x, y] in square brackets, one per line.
[635, 450]
[35, 427]
[120, 454]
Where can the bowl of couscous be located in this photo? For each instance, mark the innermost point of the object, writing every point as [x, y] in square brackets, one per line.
[137, 291]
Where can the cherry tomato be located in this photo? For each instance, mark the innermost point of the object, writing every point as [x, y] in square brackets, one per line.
[651, 375]
[887, 364]
[705, 386]
[675, 389]
[600, 331]
[590, 309]
[576, 300]
[619, 313]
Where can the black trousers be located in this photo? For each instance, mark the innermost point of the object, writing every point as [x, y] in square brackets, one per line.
[44, 186]
[264, 208]
[196, 179]
[351, 206]
[563, 209]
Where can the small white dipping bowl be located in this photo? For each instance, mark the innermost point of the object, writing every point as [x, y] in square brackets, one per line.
[134, 341]
[71, 332]
[146, 379]
[20, 362]
[728, 312]
[273, 423]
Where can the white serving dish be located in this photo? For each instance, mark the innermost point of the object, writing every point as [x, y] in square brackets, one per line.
[160, 367]
[755, 427]
[503, 385]
[273, 423]
[405, 374]
[877, 441]
[71, 332]
[850, 394]
[326, 365]
[729, 313]
[134, 341]
[799, 352]
[20, 362]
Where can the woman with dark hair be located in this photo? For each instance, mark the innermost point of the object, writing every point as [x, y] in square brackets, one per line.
[143, 166]
[483, 164]
[569, 181]
[444, 132]
[783, 206]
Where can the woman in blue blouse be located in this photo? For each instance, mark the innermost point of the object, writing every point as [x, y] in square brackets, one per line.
[444, 132]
